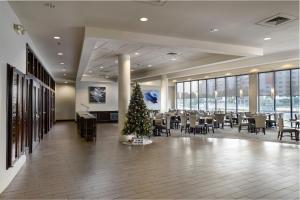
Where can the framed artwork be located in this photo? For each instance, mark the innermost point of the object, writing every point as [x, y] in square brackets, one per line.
[152, 99]
[97, 94]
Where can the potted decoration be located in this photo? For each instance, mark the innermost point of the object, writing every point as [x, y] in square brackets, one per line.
[137, 125]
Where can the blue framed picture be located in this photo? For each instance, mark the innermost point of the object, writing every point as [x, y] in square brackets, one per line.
[152, 99]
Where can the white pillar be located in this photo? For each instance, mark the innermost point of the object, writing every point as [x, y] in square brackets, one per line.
[124, 88]
[164, 94]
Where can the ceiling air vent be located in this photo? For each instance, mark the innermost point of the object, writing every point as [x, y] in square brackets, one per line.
[153, 2]
[277, 20]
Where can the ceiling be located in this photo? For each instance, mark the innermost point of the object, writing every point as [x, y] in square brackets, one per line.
[192, 20]
[143, 57]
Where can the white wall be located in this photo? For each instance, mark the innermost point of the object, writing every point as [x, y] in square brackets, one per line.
[83, 98]
[64, 101]
[12, 51]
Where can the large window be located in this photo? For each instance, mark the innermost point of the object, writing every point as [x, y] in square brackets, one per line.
[295, 92]
[179, 96]
[194, 95]
[211, 99]
[202, 95]
[283, 93]
[231, 93]
[266, 92]
[220, 94]
[243, 93]
[187, 96]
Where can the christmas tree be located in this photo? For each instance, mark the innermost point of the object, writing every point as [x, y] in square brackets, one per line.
[137, 119]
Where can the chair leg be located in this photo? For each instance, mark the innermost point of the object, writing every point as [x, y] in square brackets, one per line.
[278, 135]
[264, 130]
[213, 129]
[281, 135]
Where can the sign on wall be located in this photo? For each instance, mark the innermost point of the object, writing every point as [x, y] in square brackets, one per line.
[152, 99]
[97, 94]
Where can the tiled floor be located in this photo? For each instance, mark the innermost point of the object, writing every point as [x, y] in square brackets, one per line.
[185, 167]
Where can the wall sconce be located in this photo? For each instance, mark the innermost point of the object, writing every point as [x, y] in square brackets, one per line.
[241, 93]
[272, 92]
[19, 29]
[216, 93]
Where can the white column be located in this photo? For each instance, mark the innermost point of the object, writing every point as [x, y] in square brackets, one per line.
[253, 93]
[164, 94]
[124, 88]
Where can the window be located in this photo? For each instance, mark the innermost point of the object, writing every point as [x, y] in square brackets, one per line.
[266, 92]
[202, 95]
[283, 93]
[187, 95]
[231, 94]
[194, 95]
[211, 101]
[295, 92]
[243, 93]
[179, 96]
[220, 94]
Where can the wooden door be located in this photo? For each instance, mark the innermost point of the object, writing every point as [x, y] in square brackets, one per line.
[15, 113]
[36, 115]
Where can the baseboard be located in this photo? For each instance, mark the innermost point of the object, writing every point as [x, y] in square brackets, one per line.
[65, 120]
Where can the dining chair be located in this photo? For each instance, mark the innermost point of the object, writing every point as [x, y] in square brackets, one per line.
[184, 124]
[210, 124]
[242, 122]
[282, 130]
[219, 120]
[228, 119]
[260, 123]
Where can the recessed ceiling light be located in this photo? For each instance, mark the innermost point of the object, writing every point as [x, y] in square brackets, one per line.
[136, 53]
[106, 76]
[64, 70]
[206, 76]
[90, 71]
[101, 67]
[65, 74]
[149, 65]
[267, 38]
[254, 70]
[60, 54]
[62, 63]
[213, 30]
[143, 19]
[173, 59]
[84, 75]
[132, 70]
[56, 37]
[174, 81]
[287, 66]
[227, 74]
[66, 82]
[188, 79]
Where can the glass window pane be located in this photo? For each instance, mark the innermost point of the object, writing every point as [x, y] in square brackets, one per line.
[179, 96]
[211, 101]
[295, 92]
[266, 92]
[231, 94]
[194, 95]
[243, 93]
[202, 95]
[282, 89]
[220, 94]
[187, 95]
